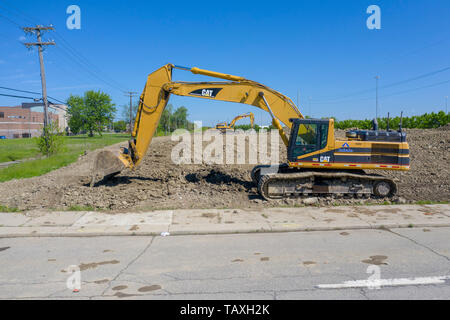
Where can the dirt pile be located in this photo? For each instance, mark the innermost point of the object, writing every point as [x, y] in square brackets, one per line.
[159, 183]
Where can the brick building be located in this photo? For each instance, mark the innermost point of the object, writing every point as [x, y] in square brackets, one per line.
[22, 122]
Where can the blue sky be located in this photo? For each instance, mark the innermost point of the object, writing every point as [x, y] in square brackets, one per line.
[322, 50]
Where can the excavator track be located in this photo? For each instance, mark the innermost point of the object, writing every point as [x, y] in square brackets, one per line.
[286, 184]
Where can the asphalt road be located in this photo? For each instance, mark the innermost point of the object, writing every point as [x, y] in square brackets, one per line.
[298, 265]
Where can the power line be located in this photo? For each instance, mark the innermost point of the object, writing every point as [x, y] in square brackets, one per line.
[419, 88]
[13, 22]
[387, 95]
[32, 92]
[76, 60]
[24, 91]
[65, 63]
[72, 53]
[415, 78]
[414, 51]
[86, 61]
[62, 102]
[22, 97]
[428, 74]
[29, 29]
[17, 13]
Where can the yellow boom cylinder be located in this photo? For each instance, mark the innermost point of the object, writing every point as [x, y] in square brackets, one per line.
[216, 74]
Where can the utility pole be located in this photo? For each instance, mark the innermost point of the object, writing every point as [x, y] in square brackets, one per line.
[38, 31]
[131, 94]
[376, 97]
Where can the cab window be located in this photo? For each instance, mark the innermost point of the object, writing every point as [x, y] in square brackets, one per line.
[306, 140]
[323, 136]
[306, 135]
[310, 137]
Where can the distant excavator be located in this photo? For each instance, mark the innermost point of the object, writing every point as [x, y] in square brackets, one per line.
[223, 126]
[317, 162]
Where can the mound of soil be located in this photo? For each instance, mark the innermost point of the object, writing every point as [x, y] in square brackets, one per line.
[158, 183]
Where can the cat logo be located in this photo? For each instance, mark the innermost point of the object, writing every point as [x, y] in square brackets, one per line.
[207, 92]
[324, 158]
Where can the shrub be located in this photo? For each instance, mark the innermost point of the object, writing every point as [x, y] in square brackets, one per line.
[425, 121]
[51, 141]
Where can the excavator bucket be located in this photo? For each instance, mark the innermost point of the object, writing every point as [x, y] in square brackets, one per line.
[106, 165]
[152, 103]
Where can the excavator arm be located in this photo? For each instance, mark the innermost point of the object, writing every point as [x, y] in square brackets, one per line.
[157, 92]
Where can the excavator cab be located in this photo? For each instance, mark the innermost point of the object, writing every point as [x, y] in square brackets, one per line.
[307, 136]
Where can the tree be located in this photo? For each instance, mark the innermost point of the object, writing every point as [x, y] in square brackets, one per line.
[75, 110]
[180, 117]
[164, 122]
[172, 120]
[91, 112]
[120, 125]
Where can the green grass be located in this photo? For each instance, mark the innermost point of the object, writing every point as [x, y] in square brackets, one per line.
[74, 147]
[8, 209]
[16, 149]
[430, 202]
[80, 208]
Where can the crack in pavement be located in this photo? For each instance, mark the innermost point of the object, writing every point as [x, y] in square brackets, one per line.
[419, 244]
[128, 265]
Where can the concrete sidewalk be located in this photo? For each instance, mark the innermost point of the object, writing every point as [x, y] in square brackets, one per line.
[221, 221]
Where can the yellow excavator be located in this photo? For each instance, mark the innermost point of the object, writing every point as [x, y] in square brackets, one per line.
[223, 126]
[317, 162]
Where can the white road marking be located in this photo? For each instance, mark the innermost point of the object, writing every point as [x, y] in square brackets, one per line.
[385, 282]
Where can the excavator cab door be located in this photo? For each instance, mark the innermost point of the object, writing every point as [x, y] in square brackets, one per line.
[307, 136]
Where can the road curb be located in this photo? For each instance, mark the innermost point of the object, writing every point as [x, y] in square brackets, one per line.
[221, 221]
[87, 234]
